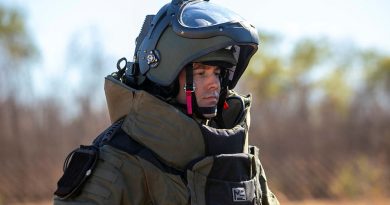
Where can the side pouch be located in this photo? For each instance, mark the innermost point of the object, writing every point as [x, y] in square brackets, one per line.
[227, 179]
[267, 197]
[78, 165]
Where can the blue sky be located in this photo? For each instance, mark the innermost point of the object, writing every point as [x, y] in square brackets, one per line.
[117, 23]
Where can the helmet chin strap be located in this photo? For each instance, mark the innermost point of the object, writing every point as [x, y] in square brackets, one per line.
[189, 89]
[192, 105]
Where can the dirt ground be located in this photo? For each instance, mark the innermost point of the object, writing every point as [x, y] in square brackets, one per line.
[338, 202]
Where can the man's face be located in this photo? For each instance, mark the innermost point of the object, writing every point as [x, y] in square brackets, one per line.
[207, 85]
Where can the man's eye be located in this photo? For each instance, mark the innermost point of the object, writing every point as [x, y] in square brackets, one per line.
[199, 73]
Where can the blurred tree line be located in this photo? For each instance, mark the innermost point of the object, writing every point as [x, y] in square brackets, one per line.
[37, 133]
[320, 115]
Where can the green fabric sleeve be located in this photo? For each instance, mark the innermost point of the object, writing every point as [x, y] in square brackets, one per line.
[116, 180]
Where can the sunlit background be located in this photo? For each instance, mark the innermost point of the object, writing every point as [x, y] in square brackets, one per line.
[320, 83]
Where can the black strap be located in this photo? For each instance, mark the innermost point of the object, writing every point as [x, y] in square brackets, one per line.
[189, 79]
[119, 139]
[190, 90]
[107, 134]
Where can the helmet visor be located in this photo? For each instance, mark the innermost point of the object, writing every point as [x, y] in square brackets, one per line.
[200, 14]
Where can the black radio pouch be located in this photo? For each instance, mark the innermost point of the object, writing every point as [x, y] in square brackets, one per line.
[78, 166]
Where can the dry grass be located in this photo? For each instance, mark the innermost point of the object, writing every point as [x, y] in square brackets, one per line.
[339, 202]
[35, 203]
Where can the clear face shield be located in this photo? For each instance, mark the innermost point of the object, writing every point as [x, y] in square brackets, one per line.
[201, 14]
[203, 19]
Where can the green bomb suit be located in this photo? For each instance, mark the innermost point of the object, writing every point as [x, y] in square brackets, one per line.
[204, 172]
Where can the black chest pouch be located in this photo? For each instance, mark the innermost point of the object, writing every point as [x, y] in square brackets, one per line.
[78, 166]
[223, 141]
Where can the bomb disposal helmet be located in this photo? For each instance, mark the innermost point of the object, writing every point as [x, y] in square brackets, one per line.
[185, 31]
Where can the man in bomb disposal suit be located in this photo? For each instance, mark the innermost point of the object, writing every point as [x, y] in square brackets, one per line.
[179, 133]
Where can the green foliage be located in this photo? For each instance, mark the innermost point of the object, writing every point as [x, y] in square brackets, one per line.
[265, 76]
[357, 178]
[273, 75]
[266, 73]
[306, 54]
[337, 91]
[379, 75]
[14, 37]
[17, 51]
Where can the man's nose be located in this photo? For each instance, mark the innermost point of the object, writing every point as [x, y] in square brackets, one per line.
[213, 82]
